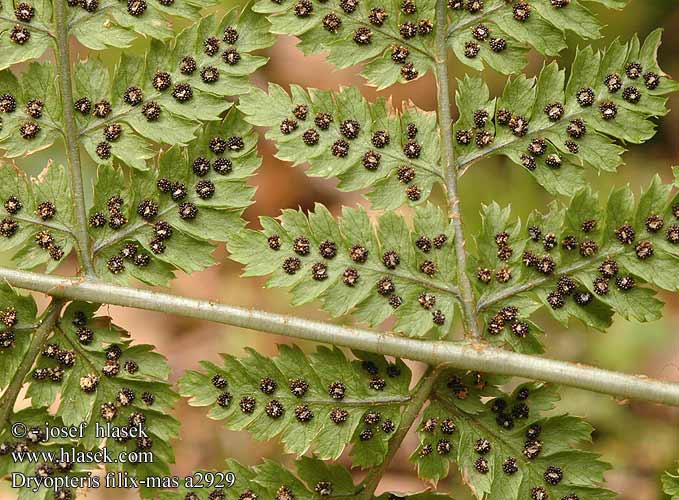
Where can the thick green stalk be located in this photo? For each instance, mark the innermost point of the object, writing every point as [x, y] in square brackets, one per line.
[39, 339]
[420, 397]
[450, 171]
[70, 133]
[462, 355]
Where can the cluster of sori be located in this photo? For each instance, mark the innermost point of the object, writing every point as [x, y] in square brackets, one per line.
[211, 47]
[45, 211]
[373, 420]
[506, 416]
[504, 253]
[576, 128]
[135, 8]
[385, 286]
[8, 318]
[34, 437]
[30, 127]
[149, 209]
[125, 398]
[90, 382]
[407, 30]
[101, 110]
[552, 475]
[482, 137]
[64, 358]
[111, 366]
[24, 13]
[208, 74]
[565, 286]
[614, 82]
[406, 174]
[432, 426]
[482, 33]
[508, 316]
[586, 97]
[299, 387]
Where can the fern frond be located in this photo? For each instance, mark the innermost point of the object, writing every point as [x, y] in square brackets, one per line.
[509, 29]
[581, 261]
[363, 144]
[553, 128]
[166, 96]
[322, 401]
[18, 315]
[353, 267]
[394, 39]
[504, 447]
[30, 114]
[91, 367]
[14, 459]
[309, 478]
[200, 194]
[25, 34]
[37, 217]
[105, 24]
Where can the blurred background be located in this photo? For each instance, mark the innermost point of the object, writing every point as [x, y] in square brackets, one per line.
[640, 440]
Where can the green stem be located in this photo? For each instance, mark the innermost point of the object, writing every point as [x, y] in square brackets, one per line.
[71, 137]
[420, 396]
[39, 339]
[468, 298]
[462, 355]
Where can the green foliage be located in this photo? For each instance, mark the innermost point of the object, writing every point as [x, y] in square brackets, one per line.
[555, 150]
[591, 262]
[88, 348]
[309, 479]
[40, 232]
[15, 337]
[115, 24]
[209, 78]
[23, 41]
[172, 134]
[671, 484]
[544, 29]
[401, 169]
[488, 434]
[32, 126]
[361, 32]
[35, 419]
[322, 401]
[371, 271]
[195, 220]
[395, 40]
